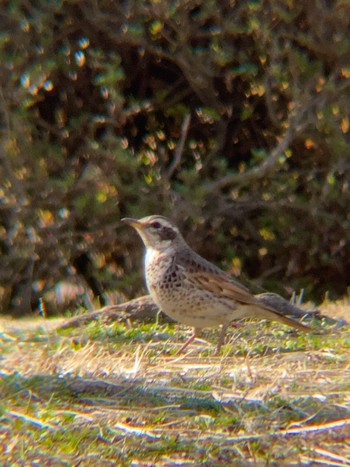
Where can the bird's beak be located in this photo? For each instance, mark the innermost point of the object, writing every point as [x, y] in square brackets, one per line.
[133, 222]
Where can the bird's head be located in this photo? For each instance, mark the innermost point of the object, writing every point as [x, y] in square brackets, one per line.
[157, 232]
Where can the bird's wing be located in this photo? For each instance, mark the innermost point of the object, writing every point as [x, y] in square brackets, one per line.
[227, 288]
[220, 285]
[201, 274]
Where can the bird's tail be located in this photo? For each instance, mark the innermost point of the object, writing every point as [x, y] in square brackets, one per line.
[257, 311]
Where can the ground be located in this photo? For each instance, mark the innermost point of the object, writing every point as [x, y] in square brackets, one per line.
[116, 394]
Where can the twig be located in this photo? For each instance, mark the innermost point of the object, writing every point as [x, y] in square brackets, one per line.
[290, 432]
[179, 148]
[316, 428]
[133, 430]
[258, 171]
[31, 420]
[331, 455]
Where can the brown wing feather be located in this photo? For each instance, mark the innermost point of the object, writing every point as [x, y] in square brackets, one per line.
[206, 276]
[232, 290]
[226, 288]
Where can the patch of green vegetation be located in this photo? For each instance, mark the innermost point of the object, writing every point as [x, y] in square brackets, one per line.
[201, 404]
[120, 333]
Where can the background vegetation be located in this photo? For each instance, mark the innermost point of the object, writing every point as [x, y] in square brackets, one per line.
[232, 117]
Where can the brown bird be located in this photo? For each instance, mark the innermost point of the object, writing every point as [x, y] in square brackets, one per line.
[190, 289]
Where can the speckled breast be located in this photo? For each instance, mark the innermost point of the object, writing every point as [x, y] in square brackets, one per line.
[181, 300]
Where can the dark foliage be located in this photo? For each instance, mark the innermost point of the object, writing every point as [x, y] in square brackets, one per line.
[231, 117]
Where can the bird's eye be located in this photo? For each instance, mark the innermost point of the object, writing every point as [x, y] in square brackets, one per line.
[156, 225]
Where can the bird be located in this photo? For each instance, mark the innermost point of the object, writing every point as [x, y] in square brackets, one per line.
[190, 289]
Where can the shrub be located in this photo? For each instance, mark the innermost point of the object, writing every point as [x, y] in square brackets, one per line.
[230, 117]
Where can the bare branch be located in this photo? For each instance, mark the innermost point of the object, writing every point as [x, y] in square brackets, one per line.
[144, 309]
[296, 125]
[179, 148]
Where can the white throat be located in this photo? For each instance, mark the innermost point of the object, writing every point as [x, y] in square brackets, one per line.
[150, 256]
[153, 254]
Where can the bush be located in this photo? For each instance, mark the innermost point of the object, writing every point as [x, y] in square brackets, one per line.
[230, 117]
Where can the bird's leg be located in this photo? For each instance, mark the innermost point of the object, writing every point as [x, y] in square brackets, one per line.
[222, 335]
[221, 339]
[196, 333]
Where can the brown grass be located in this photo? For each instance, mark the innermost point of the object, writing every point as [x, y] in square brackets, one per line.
[112, 395]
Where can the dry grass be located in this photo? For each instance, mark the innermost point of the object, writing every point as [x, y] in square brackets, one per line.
[111, 395]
